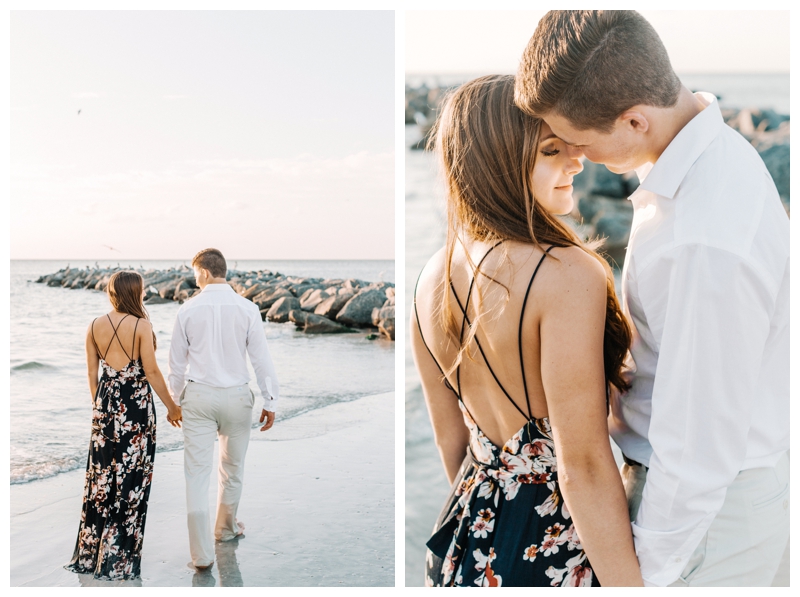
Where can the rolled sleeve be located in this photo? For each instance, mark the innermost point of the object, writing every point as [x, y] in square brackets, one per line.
[261, 360]
[713, 318]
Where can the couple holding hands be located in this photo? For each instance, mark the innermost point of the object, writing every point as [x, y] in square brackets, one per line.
[214, 333]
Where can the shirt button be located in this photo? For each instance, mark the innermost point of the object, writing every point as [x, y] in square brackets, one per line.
[677, 559]
[785, 504]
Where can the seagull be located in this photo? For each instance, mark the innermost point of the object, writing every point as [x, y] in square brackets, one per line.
[112, 248]
[79, 112]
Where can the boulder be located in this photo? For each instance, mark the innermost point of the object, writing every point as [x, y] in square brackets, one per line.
[383, 319]
[312, 299]
[331, 306]
[358, 310]
[270, 296]
[316, 324]
[279, 311]
[776, 159]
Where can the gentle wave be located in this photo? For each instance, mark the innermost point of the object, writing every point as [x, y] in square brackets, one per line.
[33, 365]
[42, 470]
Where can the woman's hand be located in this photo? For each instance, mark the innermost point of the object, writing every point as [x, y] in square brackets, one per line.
[175, 416]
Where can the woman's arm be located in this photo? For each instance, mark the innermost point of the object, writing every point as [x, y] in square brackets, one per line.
[450, 433]
[572, 320]
[147, 352]
[92, 362]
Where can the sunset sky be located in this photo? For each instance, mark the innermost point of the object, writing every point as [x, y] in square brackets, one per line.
[269, 135]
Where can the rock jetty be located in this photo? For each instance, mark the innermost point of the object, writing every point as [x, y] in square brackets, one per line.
[314, 305]
[600, 195]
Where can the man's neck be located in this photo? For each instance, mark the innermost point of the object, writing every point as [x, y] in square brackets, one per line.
[672, 120]
[214, 281]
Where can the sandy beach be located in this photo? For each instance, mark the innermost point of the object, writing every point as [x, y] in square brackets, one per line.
[318, 507]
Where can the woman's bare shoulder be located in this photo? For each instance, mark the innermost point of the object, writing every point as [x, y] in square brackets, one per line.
[574, 276]
[432, 273]
[144, 327]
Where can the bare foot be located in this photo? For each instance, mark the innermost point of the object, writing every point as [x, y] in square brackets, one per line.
[241, 528]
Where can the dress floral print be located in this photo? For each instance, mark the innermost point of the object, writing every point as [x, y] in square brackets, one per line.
[505, 522]
[119, 472]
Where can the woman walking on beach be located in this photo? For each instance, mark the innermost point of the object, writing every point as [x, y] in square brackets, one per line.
[123, 444]
[517, 334]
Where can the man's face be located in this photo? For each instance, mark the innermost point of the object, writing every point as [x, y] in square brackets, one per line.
[619, 150]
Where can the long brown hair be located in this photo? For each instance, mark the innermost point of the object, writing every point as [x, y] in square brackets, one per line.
[125, 293]
[488, 151]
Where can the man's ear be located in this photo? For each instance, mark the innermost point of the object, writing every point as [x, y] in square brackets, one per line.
[634, 120]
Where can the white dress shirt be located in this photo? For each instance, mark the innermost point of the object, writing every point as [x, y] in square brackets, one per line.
[213, 332]
[706, 285]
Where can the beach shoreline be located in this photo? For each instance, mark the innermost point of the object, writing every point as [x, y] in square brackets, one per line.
[315, 483]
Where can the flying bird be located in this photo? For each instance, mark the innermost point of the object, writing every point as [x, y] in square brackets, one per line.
[112, 248]
[79, 112]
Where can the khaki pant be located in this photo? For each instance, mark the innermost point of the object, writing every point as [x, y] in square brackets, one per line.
[209, 413]
[745, 543]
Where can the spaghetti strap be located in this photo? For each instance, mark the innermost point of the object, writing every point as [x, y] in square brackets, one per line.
[419, 327]
[519, 340]
[117, 337]
[95, 341]
[133, 343]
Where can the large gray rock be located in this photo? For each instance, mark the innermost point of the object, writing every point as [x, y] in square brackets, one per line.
[331, 306]
[316, 324]
[279, 312]
[312, 298]
[270, 296]
[776, 159]
[383, 319]
[358, 310]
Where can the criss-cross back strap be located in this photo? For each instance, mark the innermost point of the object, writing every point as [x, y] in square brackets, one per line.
[133, 342]
[419, 327]
[521, 315]
[117, 337]
[464, 310]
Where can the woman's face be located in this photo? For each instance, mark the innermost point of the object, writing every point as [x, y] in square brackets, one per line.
[556, 165]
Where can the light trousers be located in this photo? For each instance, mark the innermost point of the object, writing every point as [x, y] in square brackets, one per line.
[745, 542]
[209, 413]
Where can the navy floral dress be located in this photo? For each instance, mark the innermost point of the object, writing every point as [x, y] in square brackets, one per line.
[119, 472]
[505, 522]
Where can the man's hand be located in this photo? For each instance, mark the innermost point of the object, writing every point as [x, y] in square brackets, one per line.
[269, 416]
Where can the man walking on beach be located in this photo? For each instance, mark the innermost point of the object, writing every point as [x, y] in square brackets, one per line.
[705, 426]
[213, 333]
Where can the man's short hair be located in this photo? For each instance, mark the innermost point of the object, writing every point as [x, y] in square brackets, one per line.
[589, 66]
[213, 261]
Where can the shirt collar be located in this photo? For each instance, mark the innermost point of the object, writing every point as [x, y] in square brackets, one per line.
[665, 176]
[217, 288]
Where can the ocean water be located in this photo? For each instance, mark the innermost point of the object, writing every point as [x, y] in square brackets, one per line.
[426, 485]
[768, 90]
[50, 405]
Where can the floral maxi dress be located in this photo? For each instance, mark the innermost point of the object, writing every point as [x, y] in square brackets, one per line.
[118, 475]
[505, 522]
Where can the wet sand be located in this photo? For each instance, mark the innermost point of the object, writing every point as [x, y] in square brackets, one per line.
[318, 507]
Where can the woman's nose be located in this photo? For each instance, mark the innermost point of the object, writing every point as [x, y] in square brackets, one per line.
[574, 163]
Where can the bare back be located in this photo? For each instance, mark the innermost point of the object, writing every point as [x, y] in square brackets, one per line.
[115, 338]
[500, 382]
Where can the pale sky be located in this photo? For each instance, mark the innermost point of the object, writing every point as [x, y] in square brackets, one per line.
[269, 135]
[483, 41]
